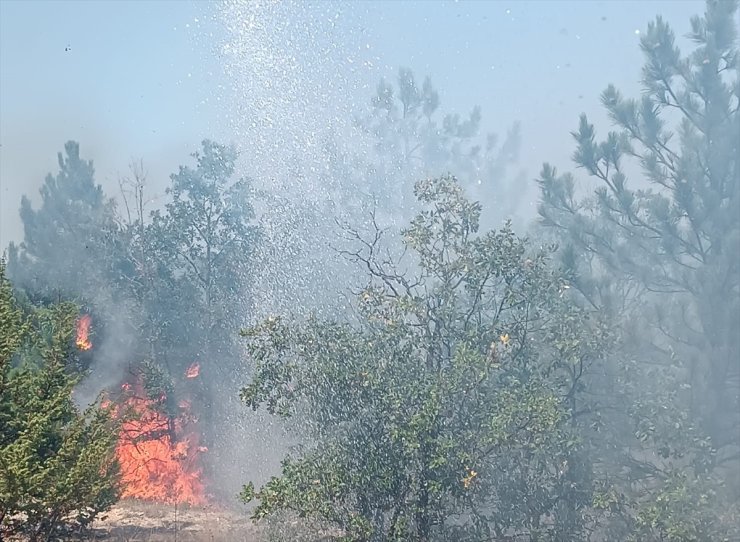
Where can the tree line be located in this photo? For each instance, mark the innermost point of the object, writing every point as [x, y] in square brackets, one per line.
[578, 383]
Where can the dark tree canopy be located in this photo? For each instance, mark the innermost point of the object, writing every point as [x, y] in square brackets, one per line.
[70, 244]
[673, 232]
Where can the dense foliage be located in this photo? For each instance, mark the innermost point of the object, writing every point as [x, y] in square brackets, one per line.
[203, 238]
[447, 409]
[57, 467]
[166, 287]
[430, 416]
[581, 384]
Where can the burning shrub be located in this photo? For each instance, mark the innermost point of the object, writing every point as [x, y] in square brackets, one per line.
[158, 448]
[159, 389]
[57, 464]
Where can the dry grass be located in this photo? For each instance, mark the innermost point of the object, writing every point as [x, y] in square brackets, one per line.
[132, 521]
[136, 521]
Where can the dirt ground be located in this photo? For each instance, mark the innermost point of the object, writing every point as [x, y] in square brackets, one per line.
[132, 521]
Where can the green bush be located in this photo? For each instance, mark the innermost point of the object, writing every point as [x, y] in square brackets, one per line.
[57, 463]
[446, 412]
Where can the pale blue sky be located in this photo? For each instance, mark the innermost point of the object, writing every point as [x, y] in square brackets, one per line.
[139, 77]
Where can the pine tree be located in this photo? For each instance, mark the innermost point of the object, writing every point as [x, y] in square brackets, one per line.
[71, 244]
[656, 246]
[414, 138]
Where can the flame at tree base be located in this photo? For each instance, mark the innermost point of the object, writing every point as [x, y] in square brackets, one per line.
[83, 332]
[159, 455]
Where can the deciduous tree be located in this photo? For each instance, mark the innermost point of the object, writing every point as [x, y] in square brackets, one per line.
[447, 408]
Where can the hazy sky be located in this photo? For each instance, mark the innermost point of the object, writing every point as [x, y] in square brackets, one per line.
[139, 79]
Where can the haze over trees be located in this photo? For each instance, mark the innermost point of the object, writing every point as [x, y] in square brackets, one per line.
[636, 380]
[166, 288]
[194, 258]
[413, 137]
[75, 218]
[580, 383]
[658, 251]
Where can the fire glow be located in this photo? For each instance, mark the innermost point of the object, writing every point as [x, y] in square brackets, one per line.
[83, 332]
[158, 450]
[193, 371]
[159, 455]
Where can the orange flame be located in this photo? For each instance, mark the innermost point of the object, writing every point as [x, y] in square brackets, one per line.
[193, 371]
[159, 459]
[83, 332]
